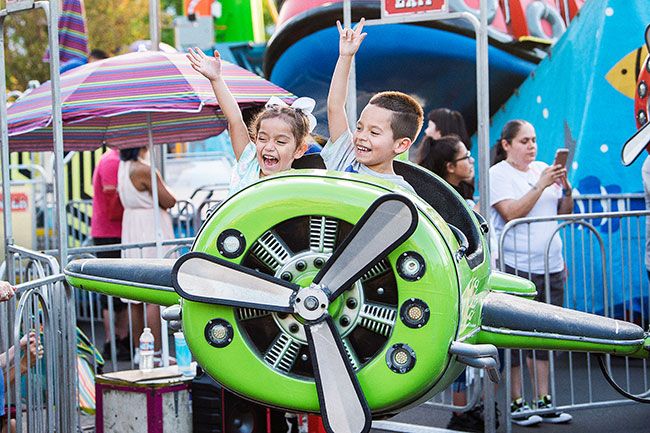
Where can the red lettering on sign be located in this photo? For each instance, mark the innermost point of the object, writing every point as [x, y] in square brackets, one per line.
[395, 7]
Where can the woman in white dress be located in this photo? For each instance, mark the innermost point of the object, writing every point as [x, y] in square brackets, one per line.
[134, 187]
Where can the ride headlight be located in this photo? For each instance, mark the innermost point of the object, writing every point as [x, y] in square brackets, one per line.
[231, 243]
[218, 333]
[400, 358]
[410, 266]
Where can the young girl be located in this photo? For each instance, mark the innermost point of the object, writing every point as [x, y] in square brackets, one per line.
[449, 158]
[279, 133]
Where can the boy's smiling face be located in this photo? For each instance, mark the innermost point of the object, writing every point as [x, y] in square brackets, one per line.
[276, 146]
[374, 145]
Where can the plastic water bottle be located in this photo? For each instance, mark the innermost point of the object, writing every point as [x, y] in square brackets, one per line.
[183, 355]
[146, 350]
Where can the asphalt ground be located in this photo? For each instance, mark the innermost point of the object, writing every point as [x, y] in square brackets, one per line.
[587, 380]
[620, 418]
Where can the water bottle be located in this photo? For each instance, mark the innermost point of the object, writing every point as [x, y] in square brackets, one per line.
[146, 350]
[183, 355]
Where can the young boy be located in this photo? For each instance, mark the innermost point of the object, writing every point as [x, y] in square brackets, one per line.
[387, 126]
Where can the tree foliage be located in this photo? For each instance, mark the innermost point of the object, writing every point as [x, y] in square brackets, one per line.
[111, 26]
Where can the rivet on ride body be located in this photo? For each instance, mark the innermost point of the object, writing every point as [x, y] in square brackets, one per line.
[294, 328]
[319, 262]
[286, 276]
[301, 265]
[344, 321]
[351, 303]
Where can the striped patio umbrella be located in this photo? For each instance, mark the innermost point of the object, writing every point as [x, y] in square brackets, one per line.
[117, 102]
[73, 40]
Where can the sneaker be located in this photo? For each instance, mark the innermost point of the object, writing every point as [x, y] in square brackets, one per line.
[552, 417]
[521, 414]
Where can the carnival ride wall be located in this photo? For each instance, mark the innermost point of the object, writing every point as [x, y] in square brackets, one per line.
[577, 99]
[435, 61]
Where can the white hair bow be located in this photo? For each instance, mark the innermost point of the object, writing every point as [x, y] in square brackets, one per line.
[304, 105]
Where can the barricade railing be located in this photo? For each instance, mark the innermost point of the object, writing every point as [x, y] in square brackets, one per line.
[90, 308]
[32, 342]
[79, 215]
[605, 275]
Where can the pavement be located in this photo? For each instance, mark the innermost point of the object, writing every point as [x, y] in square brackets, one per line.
[625, 417]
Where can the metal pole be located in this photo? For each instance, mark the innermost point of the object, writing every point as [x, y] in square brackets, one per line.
[64, 312]
[4, 142]
[154, 24]
[483, 110]
[351, 104]
[164, 344]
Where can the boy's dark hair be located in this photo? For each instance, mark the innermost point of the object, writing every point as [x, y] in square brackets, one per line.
[509, 131]
[407, 113]
[130, 154]
[296, 119]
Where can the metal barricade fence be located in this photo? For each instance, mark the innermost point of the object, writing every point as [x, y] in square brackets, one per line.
[90, 309]
[79, 216]
[605, 275]
[31, 345]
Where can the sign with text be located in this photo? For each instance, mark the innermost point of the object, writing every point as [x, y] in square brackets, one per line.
[19, 5]
[19, 202]
[391, 8]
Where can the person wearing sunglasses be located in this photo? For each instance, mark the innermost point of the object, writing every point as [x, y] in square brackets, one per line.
[449, 158]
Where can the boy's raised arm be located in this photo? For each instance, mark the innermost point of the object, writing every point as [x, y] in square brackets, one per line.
[349, 42]
[210, 67]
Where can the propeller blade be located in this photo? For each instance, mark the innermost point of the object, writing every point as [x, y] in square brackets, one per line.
[204, 278]
[342, 404]
[389, 221]
[635, 145]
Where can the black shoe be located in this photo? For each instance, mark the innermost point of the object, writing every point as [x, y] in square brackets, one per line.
[465, 421]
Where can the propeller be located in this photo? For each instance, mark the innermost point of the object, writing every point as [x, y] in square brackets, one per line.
[389, 221]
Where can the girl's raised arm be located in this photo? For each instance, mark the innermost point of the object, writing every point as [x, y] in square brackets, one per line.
[210, 67]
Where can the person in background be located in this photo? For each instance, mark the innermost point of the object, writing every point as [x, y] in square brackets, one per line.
[97, 54]
[106, 229]
[521, 186]
[449, 158]
[442, 122]
[7, 291]
[138, 223]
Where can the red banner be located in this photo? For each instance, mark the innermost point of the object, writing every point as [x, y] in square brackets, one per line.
[399, 7]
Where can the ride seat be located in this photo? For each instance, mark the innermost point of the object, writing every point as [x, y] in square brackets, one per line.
[435, 192]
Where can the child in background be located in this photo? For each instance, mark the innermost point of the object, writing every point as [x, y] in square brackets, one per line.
[278, 134]
[386, 128]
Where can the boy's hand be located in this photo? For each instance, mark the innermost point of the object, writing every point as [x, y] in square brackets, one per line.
[209, 67]
[350, 39]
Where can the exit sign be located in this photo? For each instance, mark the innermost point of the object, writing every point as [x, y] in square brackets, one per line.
[404, 7]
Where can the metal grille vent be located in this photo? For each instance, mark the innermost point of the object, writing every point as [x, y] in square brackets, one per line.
[282, 353]
[271, 250]
[378, 318]
[322, 234]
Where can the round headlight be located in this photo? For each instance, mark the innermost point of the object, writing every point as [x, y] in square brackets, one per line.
[400, 358]
[218, 333]
[231, 243]
[410, 266]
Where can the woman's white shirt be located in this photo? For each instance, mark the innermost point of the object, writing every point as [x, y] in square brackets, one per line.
[525, 245]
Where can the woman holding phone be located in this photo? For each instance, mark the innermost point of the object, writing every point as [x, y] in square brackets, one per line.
[521, 186]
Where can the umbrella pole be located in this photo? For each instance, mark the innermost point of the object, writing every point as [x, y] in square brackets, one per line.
[164, 344]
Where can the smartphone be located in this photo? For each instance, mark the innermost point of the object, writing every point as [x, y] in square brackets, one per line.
[561, 156]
